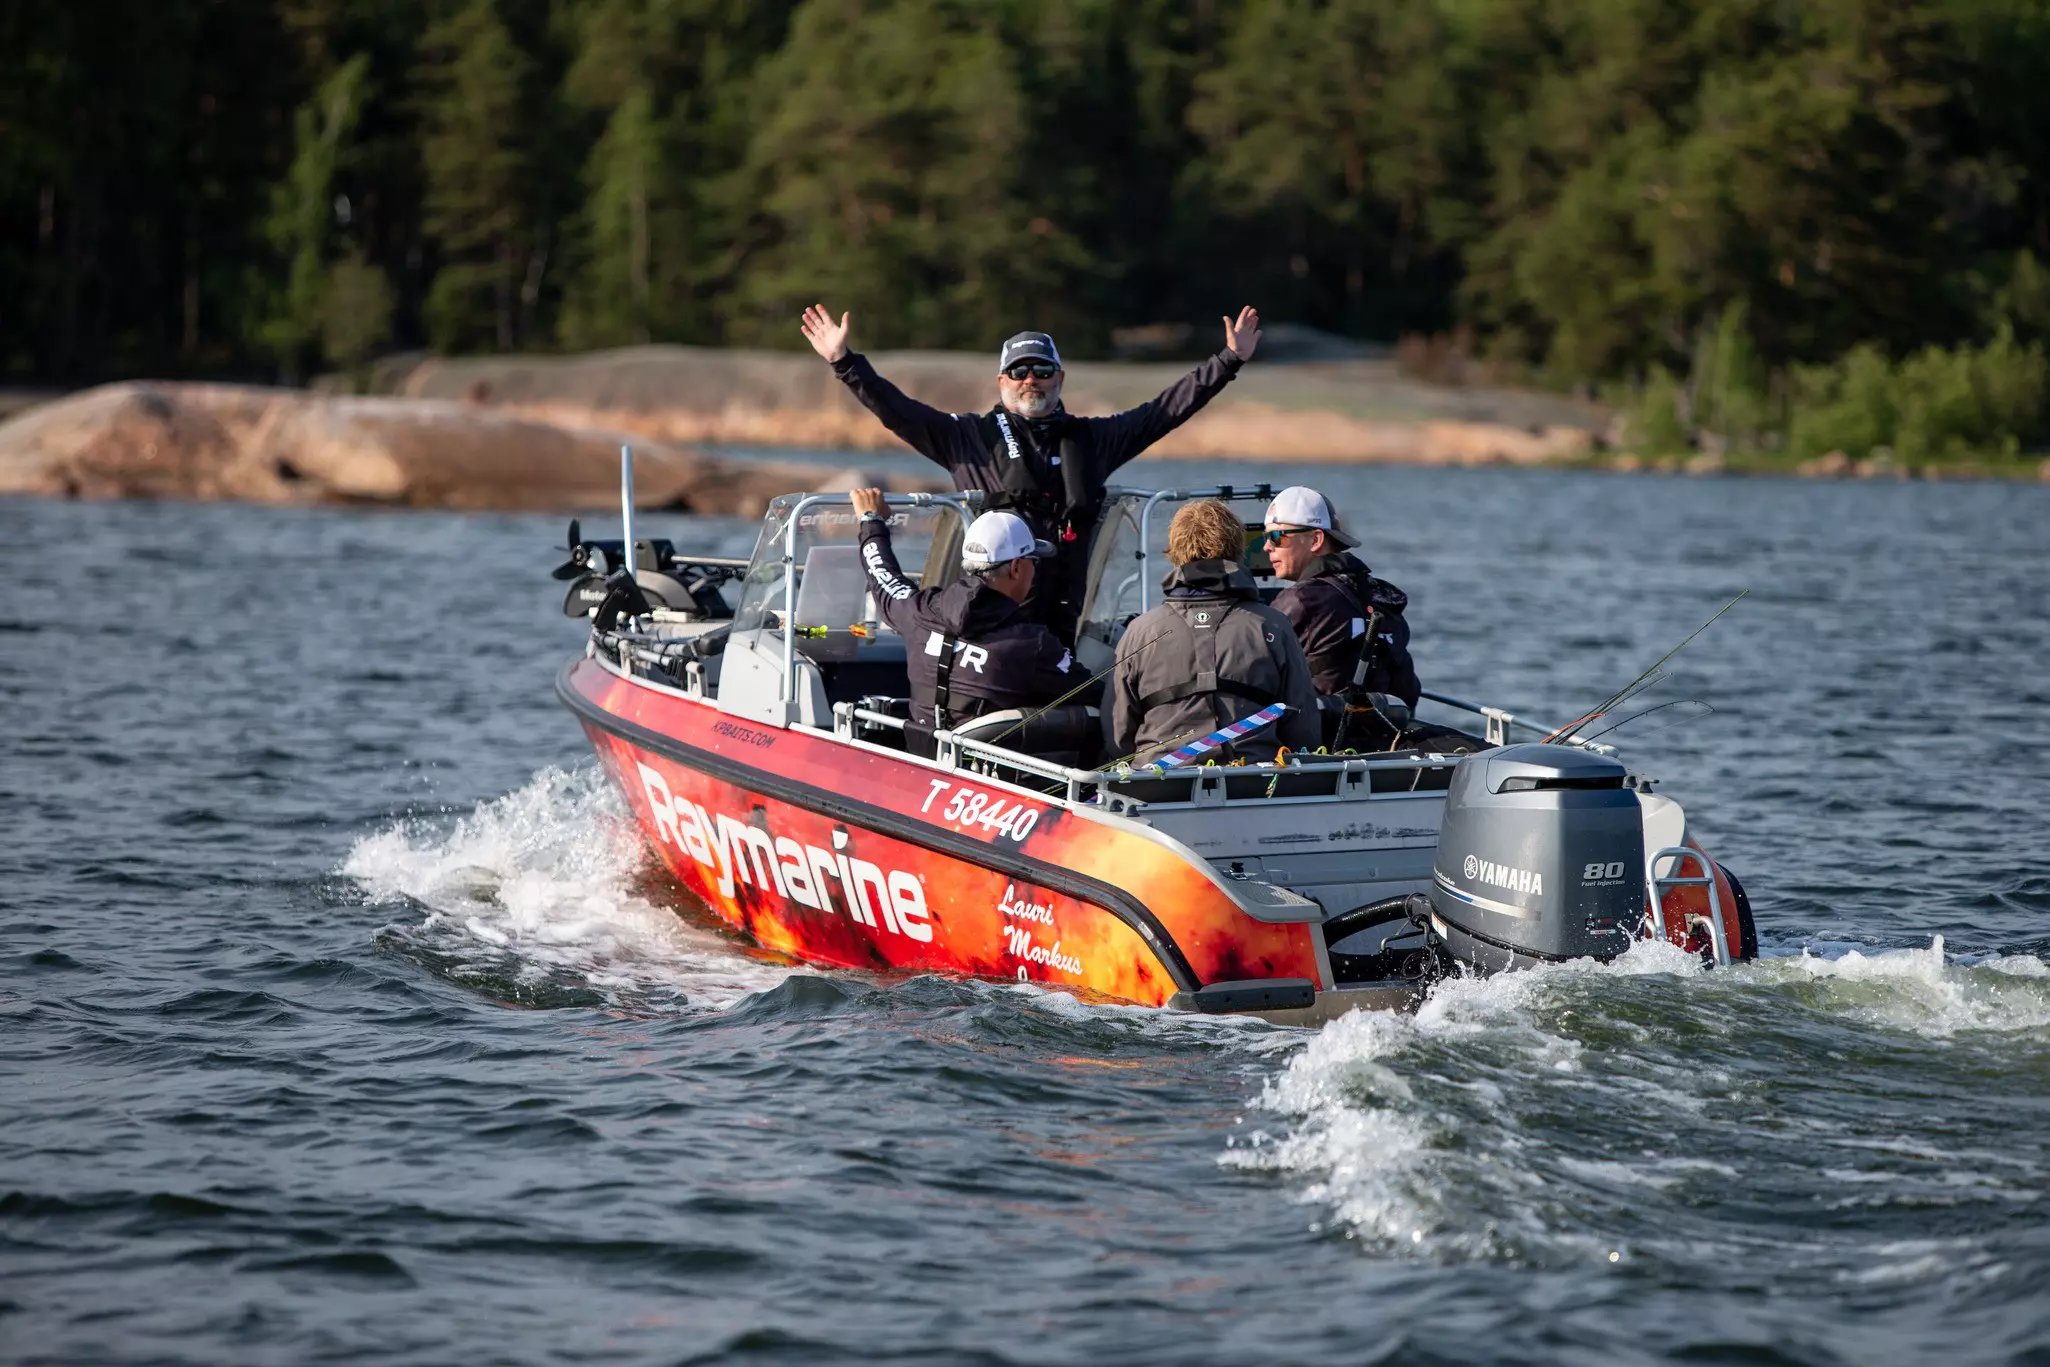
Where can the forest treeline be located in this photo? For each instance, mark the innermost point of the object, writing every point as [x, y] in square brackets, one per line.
[1796, 224]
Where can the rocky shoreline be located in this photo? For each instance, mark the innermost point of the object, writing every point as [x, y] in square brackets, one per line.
[252, 444]
[1347, 411]
[544, 433]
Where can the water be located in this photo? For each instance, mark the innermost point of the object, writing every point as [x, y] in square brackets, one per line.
[339, 1018]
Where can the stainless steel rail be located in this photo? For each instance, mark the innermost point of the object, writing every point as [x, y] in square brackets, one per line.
[1502, 725]
[788, 695]
[1713, 922]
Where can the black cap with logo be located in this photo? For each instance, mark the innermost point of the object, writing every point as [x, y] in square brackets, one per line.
[1028, 346]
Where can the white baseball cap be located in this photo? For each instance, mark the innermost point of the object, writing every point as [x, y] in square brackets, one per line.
[1301, 506]
[996, 538]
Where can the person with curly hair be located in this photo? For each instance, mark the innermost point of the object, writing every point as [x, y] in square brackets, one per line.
[1211, 654]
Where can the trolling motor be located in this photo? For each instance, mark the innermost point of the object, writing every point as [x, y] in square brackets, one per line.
[687, 584]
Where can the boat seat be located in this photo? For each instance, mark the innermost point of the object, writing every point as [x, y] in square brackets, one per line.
[1070, 735]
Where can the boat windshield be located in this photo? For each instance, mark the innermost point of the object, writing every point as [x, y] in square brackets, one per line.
[825, 572]
[1125, 579]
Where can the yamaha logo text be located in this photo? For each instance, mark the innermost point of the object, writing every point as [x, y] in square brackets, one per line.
[1502, 876]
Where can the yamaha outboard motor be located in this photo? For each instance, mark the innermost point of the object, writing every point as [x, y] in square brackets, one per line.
[1541, 858]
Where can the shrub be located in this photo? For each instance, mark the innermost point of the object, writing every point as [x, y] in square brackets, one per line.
[1655, 423]
[1843, 406]
[1937, 404]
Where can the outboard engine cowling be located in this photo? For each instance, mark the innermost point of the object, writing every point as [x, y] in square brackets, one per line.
[1541, 858]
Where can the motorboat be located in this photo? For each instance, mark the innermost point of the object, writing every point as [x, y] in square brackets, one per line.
[754, 716]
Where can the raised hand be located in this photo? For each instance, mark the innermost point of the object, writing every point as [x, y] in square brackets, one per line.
[867, 501]
[1242, 336]
[827, 338]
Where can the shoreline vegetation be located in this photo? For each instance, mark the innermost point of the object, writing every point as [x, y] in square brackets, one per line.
[1785, 235]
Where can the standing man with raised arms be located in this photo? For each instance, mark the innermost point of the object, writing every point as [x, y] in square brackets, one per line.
[1039, 460]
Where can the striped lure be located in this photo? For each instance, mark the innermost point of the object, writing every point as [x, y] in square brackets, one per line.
[1265, 717]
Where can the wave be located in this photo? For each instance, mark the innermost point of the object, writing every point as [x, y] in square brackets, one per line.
[545, 897]
[1651, 1111]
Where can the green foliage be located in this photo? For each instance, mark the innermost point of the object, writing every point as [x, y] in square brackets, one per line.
[613, 299]
[894, 172]
[1342, 122]
[1655, 420]
[301, 227]
[1729, 382]
[355, 312]
[1810, 224]
[1936, 404]
[2023, 301]
[1845, 406]
[473, 155]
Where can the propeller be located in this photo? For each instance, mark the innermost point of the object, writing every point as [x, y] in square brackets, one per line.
[579, 556]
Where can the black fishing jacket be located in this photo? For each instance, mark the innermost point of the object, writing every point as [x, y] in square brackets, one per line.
[990, 654]
[1050, 471]
[1330, 607]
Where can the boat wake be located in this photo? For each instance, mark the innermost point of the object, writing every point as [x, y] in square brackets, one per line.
[1651, 1112]
[544, 897]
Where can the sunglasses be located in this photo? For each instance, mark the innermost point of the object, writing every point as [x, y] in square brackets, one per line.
[1272, 538]
[1038, 370]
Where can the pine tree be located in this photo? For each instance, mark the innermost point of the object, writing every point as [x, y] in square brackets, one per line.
[894, 172]
[473, 156]
[301, 227]
[613, 298]
[1341, 123]
[355, 312]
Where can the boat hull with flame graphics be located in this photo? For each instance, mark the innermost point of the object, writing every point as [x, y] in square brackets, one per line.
[847, 855]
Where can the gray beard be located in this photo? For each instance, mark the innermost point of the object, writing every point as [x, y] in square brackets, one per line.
[1033, 407]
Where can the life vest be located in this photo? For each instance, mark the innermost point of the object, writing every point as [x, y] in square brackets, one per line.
[1065, 516]
[1201, 648]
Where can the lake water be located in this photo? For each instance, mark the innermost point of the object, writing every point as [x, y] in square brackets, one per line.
[340, 1019]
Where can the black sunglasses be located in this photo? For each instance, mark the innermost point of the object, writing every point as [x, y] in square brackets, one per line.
[1272, 537]
[1038, 370]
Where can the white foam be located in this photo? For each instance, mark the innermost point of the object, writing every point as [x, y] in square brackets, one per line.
[546, 874]
[1919, 991]
[1437, 1133]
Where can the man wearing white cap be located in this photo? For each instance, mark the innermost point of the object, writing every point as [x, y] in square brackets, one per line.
[969, 646]
[1340, 611]
[1029, 453]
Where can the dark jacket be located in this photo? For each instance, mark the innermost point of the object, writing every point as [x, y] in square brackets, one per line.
[1159, 697]
[1050, 471]
[1329, 608]
[972, 446]
[1000, 658]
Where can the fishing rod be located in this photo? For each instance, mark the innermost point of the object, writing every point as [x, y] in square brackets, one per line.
[1642, 681]
[1658, 707]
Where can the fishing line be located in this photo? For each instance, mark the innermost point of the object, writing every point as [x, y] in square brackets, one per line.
[1644, 680]
[1660, 707]
[1097, 677]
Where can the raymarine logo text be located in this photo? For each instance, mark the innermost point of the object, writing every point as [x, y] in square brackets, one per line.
[739, 852]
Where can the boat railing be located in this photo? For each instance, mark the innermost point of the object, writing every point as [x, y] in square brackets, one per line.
[1302, 776]
[792, 520]
[1503, 727]
[1305, 775]
[1263, 493]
